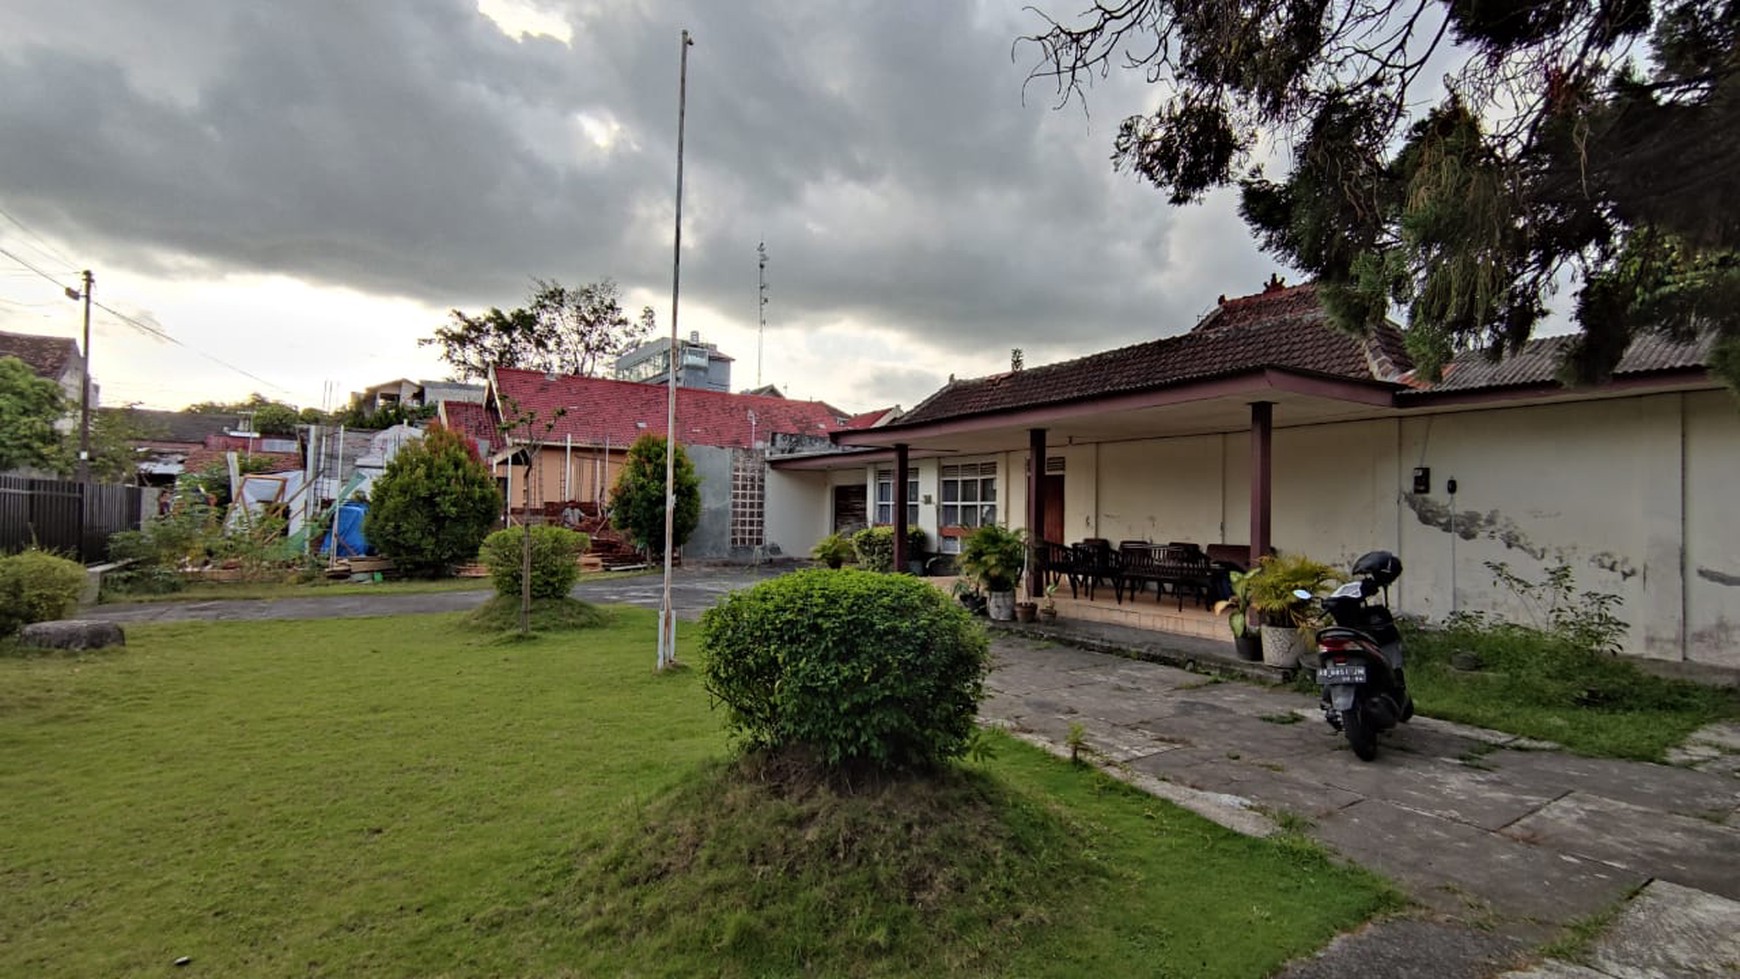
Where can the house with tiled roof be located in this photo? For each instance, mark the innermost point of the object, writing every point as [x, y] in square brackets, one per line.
[583, 427]
[55, 359]
[1264, 427]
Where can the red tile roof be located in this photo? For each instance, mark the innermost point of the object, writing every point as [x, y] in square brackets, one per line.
[470, 418]
[599, 409]
[1282, 328]
[1538, 363]
[275, 462]
[46, 356]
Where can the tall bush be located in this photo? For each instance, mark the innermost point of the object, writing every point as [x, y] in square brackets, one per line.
[555, 560]
[638, 501]
[858, 667]
[875, 547]
[433, 506]
[36, 586]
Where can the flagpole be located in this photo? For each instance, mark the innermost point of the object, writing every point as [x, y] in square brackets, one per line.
[667, 614]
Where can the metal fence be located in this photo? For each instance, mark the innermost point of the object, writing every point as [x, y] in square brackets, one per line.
[65, 517]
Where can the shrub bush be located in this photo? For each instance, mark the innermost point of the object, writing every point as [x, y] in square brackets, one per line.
[854, 666]
[36, 586]
[875, 547]
[555, 560]
[433, 506]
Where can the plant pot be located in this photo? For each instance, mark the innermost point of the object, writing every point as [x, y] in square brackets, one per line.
[1026, 611]
[1001, 605]
[1281, 646]
[1249, 646]
[1047, 614]
[915, 568]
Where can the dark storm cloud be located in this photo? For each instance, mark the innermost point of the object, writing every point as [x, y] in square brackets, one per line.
[408, 146]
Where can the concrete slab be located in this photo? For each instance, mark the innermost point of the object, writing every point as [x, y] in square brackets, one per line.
[1429, 785]
[1639, 783]
[1554, 969]
[1517, 882]
[1693, 852]
[1410, 947]
[1725, 735]
[1669, 932]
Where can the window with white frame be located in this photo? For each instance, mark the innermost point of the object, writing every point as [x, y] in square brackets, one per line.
[969, 495]
[885, 497]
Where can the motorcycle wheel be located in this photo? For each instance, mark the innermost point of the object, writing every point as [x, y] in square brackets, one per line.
[1361, 736]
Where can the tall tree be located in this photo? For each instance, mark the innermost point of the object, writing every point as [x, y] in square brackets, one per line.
[1584, 139]
[637, 503]
[562, 330]
[29, 408]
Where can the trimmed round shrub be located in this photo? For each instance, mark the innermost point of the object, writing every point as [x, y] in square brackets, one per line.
[434, 504]
[555, 559]
[875, 547]
[36, 586]
[855, 666]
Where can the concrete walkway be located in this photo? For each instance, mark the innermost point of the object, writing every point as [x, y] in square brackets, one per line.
[1505, 842]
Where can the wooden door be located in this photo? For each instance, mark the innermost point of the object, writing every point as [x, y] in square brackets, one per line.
[849, 509]
[1053, 518]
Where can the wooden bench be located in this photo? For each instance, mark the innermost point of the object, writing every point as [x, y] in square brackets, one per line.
[1183, 568]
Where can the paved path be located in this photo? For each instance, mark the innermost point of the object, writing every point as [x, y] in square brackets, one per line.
[692, 591]
[1516, 843]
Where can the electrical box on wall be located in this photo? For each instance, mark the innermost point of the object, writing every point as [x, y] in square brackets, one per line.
[1423, 480]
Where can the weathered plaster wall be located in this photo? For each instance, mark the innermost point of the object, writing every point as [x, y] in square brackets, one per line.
[1712, 555]
[712, 536]
[1596, 485]
[1333, 488]
[798, 505]
[1161, 489]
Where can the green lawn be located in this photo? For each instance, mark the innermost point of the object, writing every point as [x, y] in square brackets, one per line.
[397, 796]
[1592, 703]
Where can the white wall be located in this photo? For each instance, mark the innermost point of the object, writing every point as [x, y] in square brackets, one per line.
[798, 506]
[1712, 539]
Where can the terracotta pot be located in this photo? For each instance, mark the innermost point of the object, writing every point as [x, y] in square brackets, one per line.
[1047, 614]
[1025, 611]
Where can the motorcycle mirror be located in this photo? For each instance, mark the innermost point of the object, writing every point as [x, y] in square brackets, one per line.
[1303, 595]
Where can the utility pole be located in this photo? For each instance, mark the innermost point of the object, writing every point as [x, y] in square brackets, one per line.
[667, 614]
[761, 290]
[84, 469]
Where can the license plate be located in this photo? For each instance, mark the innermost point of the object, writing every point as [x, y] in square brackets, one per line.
[1331, 673]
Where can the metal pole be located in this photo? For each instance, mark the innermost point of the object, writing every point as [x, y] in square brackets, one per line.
[667, 615]
[85, 394]
[761, 310]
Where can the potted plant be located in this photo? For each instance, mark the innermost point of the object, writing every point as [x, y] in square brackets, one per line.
[993, 556]
[969, 596]
[1270, 591]
[1048, 608]
[1026, 611]
[1247, 641]
[833, 550]
[916, 541]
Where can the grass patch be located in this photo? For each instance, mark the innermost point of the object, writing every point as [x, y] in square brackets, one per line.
[1579, 937]
[502, 614]
[398, 796]
[1539, 687]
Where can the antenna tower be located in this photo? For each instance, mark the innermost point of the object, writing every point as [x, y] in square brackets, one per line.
[761, 292]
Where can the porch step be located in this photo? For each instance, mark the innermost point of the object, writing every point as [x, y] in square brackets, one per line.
[1185, 652]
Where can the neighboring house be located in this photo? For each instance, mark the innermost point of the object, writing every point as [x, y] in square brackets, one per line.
[699, 365]
[174, 442]
[52, 358]
[415, 394]
[1264, 427]
[727, 436]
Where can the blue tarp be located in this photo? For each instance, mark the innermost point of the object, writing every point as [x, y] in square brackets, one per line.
[349, 525]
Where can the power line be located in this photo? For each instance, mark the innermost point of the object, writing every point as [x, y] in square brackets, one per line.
[33, 268]
[46, 248]
[159, 334]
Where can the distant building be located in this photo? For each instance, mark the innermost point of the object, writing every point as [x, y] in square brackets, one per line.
[700, 365]
[55, 359]
[415, 394]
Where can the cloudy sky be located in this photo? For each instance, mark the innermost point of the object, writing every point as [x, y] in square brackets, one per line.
[296, 192]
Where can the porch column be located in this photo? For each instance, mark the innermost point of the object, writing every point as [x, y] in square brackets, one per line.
[1035, 508]
[1262, 428]
[900, 477]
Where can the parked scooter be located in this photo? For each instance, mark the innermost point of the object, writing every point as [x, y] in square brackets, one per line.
[1360, 656]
